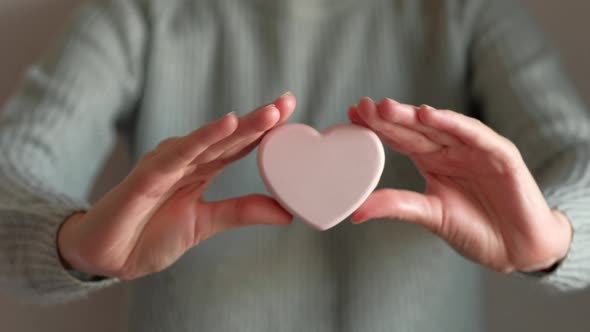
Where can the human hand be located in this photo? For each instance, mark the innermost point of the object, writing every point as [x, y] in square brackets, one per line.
[157, 213]
[480, 196]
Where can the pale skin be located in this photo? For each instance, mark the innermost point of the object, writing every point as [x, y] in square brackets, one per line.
[480, 196]
[157, 213]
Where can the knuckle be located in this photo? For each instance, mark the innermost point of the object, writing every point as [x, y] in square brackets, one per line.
[174, 147]
[149, 156]
[167, 142]
[508, 154]
[140, 178]
[424, 107]
[149, 182]
[180, 151]
[161, 147]
[475, 121]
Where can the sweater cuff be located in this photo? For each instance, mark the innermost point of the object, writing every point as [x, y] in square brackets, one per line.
[29, 258]
[573, 272]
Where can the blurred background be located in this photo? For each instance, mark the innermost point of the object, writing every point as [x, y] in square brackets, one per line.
[27, 27]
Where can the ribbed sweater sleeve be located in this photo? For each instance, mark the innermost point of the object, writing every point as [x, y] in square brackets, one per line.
[517, 80]
[55, 134]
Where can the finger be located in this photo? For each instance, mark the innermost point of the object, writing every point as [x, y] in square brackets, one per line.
[401, 204]
[213, 167]
[407, 116]
[354, 117]
[219, 216]
[239, 154]
[285, 104]
[467, 129]
[184, 150]
[401, 138]
[250, 126]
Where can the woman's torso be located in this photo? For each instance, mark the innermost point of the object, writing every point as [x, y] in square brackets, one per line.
[206, 58]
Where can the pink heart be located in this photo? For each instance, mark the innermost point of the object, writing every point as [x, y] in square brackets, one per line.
[321, 177]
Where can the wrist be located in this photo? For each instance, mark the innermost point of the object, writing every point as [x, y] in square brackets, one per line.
[64, 239]
[565, 235]
[567, 231]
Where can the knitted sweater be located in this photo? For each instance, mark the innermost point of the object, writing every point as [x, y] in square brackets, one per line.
[153, 69]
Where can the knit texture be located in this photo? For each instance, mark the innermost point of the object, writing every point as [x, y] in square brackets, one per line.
[153, 69]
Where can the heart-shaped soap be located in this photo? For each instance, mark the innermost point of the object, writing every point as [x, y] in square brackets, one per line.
[321, 178]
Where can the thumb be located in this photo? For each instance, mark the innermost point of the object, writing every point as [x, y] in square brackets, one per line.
[419, 208]
[254, 209]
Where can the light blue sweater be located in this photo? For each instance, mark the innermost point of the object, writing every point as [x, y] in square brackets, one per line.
[155, 69]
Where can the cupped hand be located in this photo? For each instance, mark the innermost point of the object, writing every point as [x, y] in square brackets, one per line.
[480, 196]
[157, 213]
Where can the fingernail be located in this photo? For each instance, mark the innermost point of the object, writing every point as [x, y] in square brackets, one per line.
[288, 93]
[230, 114]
